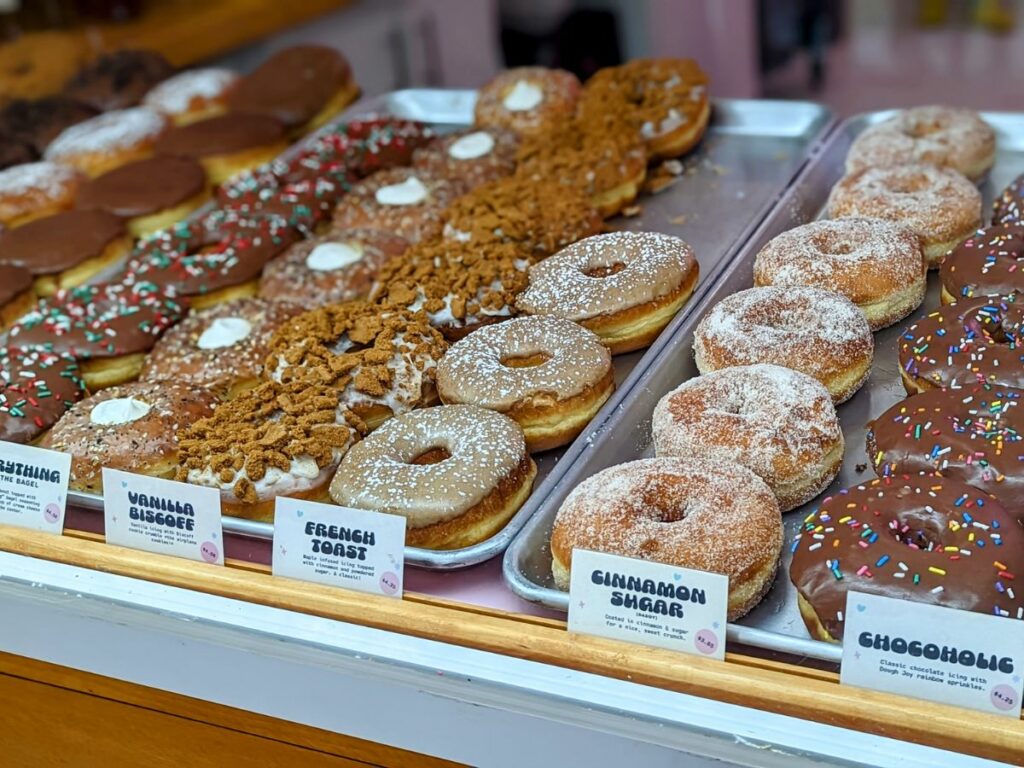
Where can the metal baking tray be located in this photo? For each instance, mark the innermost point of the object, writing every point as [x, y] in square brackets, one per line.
[775, 624]
[751, 153]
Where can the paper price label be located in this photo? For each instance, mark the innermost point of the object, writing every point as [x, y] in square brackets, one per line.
[33, 487]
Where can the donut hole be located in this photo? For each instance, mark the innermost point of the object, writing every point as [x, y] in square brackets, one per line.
[832, 246]
[525, 361]
[916, 528]
[432, 456]
[909, 184]
[601, 271]
[921, 128]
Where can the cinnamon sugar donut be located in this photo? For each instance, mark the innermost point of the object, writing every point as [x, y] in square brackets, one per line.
[456, 473]
[945, 136]
[108, 140]
[132, 427]
[222, 348]
[692, 513]
[1008, 208]
[550, 375]
[36, 388]
[340, 266]
[876, 264]
[473, 157]
[939, 204]
[779, 423]
[988, 263]
[810, 330]
[192, 95]
[624, 286]
[34, 190]
[527, 99]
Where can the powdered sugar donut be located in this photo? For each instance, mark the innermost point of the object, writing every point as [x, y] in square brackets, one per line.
[192, 95]
[108, 140]
[33, 190]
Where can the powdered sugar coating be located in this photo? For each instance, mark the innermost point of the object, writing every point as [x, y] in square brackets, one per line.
[107, 133]
[180, 93]
[30, 187]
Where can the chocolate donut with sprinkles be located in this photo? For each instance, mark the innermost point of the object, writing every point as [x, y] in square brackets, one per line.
[36, 388]
[1007, 208]
[985, 264]
[923, 538]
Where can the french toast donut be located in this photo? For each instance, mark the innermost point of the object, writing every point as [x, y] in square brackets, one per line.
[118, 79]
[624, 286]
[194, 94]
[36, 388]
[548, 374]
[876, 264]
[988, 263]
[1008, 208]
[817, 332]
[779, 423]
[471, 156]
[456, 473]
[527, 99]
[108, 140]
[33, 190]
[939, 204]
[689, 512]
[17, 294]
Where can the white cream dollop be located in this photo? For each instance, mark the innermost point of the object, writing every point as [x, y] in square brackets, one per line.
[305, 466]
[328, 257]
[476, 144]
[223, 332]
[523, 96]
[119, 410]
[408, 192]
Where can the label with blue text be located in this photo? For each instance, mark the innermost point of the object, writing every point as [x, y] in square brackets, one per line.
[929, 652]
[162, 516]
[339, 546]
[33, 487]
[649, 603]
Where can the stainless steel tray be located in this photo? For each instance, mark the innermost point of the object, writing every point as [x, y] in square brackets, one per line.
[775, 625]
[752, 151]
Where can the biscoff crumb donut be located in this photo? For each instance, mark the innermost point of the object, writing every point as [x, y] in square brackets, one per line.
[527, 99]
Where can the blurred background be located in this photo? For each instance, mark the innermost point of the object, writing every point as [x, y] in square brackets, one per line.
[853, 55]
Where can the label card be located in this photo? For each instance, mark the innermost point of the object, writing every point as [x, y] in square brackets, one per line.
[33, 487]
[649, 603]
[163, 516]
[953, 657]
[339, 546]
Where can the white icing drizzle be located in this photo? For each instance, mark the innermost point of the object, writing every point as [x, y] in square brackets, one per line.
[328, 257]
[472, 145]
[120, 410]
[223, 332]
[523, 96]
[409, 192]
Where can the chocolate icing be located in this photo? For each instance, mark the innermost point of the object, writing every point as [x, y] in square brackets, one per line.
[964, 343]
[293, 85]
[220, 135]
[986, 264]
[38, 122]
[973, 434]
[14, 281]
[64, 240]
[144, 187]
[1008, 208]
[118, 80]
[14, 152]
[913, 537]
[36, 388]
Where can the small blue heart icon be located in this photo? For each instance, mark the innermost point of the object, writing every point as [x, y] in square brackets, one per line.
[861, 608]
[124, 483]
[298, 513]
[677, 576]
[714, 625]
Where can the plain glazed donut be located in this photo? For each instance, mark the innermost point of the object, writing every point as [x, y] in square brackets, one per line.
[988, 263]
[941, 205]
[692, 513]
[944, 136]
[457, 473]
[777, 422]
[907, 537]
[810, 330]
[550, 375]
[624, 286]
[876, 264]
[527, 99]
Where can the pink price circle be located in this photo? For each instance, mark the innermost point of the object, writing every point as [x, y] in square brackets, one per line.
[389, 583]
[1003, 697]
[706, 641]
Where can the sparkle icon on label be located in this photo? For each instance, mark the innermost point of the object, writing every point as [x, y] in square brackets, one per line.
[51, 513]
[388, 583]
[209, 551]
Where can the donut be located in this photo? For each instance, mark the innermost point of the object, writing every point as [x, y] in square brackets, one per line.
[302, 86]
[549, 375]
[666, 100]
[456, 473]
[972, 434]
[1006, 209]
[222, 348]
[132, 427]
[106, 141]
[361, 146]
[36, 388]
[689, 512]
[66, 249]
[36, 64]
[107, 327]
[624, 286]
[34, 190]
[14, 153]
[17, 296]
[226, 144]
[939, 204]
[810, 330]
[118, 80]
[456, 287]
[304, 203]
[876, 264]
[339, 266]
[271, 441]
[970, 342]
[382, 363]
[192, 95]
[944, 136]
[472, 157]
[985, 264]
[403, 201]
[37, 122]
[527, 99]
[149, 194]
[777, 422]
[907, 537]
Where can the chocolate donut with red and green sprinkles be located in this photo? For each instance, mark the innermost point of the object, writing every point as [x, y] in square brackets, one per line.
[36, 388]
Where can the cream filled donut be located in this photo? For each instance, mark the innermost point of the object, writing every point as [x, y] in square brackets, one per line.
[527, 99]
[473, 156]
[457, 473]
[548, 374]
[810, 330]
[692, 513]
[777, 422]
[876, 264]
